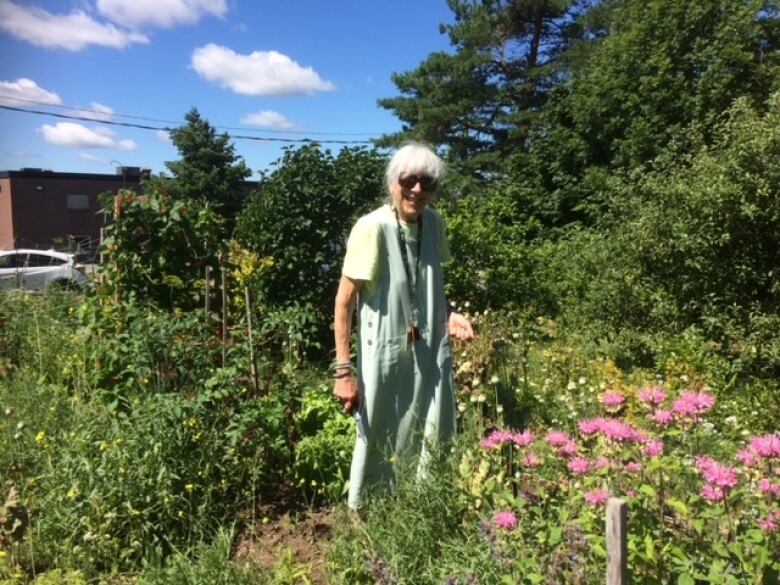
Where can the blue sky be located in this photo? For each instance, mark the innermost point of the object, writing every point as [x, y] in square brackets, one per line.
[279, 68]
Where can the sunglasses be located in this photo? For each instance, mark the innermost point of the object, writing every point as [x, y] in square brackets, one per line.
[427, 183]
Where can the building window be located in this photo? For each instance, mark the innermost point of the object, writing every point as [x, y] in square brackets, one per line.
[77, 202]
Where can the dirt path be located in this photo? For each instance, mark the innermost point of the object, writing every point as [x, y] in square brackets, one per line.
[299, 539]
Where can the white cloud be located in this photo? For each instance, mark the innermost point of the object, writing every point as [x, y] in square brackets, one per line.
[78, 136]
[164, 136]
[74, 31]
[92, 158]
[268, 119]
[16, 93]
[261, 73]
[159, 13]
[101, 112]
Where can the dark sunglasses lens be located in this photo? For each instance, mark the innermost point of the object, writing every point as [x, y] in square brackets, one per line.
[427, 183]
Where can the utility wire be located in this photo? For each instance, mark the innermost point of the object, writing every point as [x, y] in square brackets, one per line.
[174, 123]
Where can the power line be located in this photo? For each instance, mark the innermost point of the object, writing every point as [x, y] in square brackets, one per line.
[175, 123]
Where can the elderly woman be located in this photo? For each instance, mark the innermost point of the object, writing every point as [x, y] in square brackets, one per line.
[402, 395]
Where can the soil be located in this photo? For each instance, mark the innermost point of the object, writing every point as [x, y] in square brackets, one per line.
[278, 531]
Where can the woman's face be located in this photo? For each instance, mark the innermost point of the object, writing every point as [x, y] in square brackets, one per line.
[411, 193]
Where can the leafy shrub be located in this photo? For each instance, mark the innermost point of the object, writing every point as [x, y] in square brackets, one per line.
[301, 216]
[114, 489]
[324, 449]
[157, 246]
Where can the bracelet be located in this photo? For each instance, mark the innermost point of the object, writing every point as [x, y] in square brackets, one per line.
[335, 366]
[344, 375]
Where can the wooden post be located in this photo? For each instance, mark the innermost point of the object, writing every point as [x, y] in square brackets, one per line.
[224, 311]
[208, 293]
[252, 364]
[617, 542]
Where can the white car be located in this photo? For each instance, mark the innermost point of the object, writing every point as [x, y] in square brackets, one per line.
[39, 270]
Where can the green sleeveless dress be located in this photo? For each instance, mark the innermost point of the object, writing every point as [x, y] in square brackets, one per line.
[407, 402]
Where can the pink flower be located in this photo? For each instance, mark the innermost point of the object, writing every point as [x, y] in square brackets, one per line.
[531, 460]
[557, 438]
[597, 497]
[505, 519]
[612, 400]
[496, 439]
[601, 463]
[712, 493]
[768, 488]
[633, 467]
[568, 449]
[767, 524]
[652, 396]
[579, 465]
[653, 448]
[767, 446]
[591, 426]
[631, 493]
[662, 417]
[523, 439]
[717, 474]
[747, 457]
[621, 432]
[692, 405]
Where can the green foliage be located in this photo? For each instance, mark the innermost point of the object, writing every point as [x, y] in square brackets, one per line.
[113, 490]
[301, 218]
[479, 101]
[158, 245]
[494, 260]
[209, 564]
[324, 449]
[209, 170]
[691, 243]
[664, 69]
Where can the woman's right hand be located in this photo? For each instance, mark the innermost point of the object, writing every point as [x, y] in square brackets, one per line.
[346, 390]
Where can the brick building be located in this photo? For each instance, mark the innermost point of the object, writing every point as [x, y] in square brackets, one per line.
[46, 209]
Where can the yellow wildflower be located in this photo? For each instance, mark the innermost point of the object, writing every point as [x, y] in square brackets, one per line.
[189, 487]
[40, 437]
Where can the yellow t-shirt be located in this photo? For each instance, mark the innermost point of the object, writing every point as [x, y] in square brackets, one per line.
[362, 257]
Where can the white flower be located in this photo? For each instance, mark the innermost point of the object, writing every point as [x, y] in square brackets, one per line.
[494, 380]
[499, 409]
[582, 381]
[732, 420]
[571, 385]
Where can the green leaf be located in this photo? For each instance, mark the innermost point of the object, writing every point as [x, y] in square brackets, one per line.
[648, 490]
[555, 536]
[678, 506]
[685, 579]
[649, 547]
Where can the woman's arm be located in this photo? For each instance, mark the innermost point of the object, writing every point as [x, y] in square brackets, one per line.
[345, 386]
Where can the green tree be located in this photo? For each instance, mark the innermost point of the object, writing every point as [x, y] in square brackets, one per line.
[690, 243]
[209, 169]
[479, 101]
[301, 217]
[666, 71]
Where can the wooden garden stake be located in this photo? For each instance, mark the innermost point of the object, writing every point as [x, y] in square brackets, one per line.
[617, 542]
[207, 292]
[224, 311]
[252, 364]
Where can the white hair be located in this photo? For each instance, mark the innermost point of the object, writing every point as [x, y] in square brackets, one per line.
[413, 158]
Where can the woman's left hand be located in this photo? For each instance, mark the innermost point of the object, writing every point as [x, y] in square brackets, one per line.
[460, 327]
